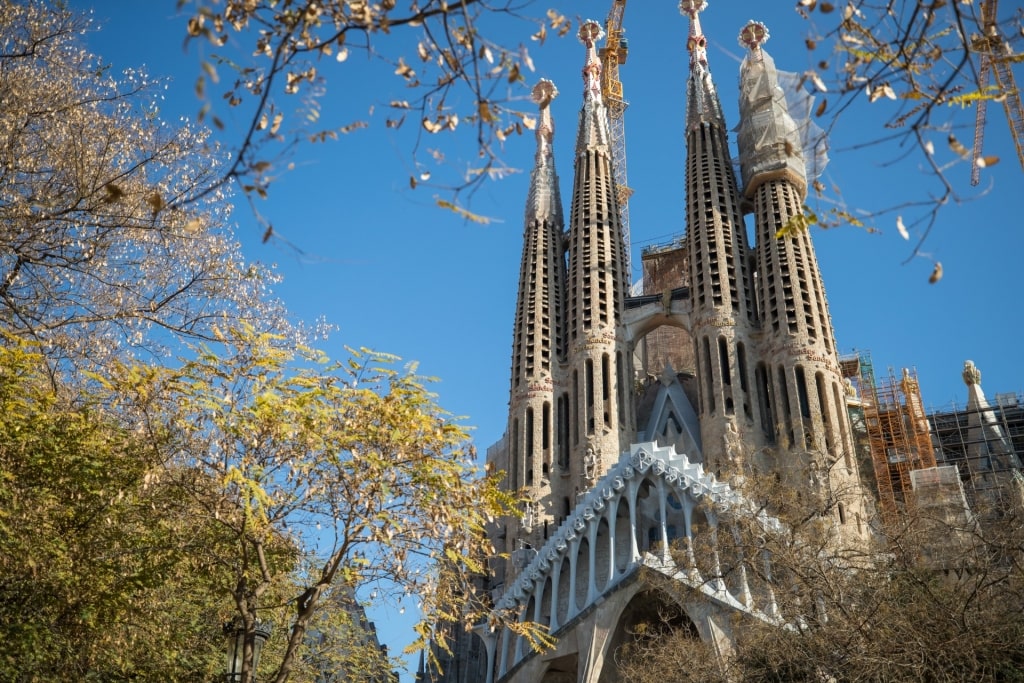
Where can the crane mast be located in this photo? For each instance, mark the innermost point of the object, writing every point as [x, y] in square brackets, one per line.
[612, 55]
[995, 57]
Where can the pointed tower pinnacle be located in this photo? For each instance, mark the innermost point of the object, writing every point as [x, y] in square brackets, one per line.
[543, 201]
[985, 434]
[594, 117]
[702, 103]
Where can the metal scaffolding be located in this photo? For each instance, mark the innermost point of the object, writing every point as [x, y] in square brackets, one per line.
[895, 429]
[984, 443]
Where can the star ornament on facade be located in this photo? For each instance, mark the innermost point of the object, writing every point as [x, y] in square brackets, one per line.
[754, 35]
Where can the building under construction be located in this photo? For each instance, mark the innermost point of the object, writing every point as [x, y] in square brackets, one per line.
[893, 431]
[983, 441]
[665, 273]
[897, 437]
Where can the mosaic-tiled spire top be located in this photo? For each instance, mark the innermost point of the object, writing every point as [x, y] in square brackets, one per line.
[594, 117]
[543, 201]
[702, 103]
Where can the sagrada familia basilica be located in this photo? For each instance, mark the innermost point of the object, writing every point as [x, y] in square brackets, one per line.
[634, 419]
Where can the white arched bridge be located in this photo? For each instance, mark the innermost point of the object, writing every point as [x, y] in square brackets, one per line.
[583, 584]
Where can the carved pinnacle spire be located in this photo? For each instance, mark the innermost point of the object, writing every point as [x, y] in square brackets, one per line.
[543, 93]
[593, 131]
[696, 44]
[702, 104]
[543, 200]
[590, 33]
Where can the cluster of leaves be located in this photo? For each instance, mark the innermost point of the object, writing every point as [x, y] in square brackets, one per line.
[919, 66]
[443, 54]
[104, 573]
[104, 248]
[353, 465]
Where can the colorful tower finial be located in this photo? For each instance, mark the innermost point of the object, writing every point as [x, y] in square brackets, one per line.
[543, 93]
[590, 33]
[696, 44]
[754, 35]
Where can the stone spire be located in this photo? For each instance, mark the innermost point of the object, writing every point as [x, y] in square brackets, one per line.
[702, 103]
[593, 132]
[538, 328]
[543, 201]
[598, 381]
[716, 240]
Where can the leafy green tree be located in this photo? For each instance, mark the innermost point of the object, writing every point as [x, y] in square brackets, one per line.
[105, 570]
[349, 472]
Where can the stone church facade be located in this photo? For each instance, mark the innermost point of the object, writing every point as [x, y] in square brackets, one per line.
[620, 459]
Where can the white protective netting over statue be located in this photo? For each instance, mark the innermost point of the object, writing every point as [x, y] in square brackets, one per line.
[776, 132]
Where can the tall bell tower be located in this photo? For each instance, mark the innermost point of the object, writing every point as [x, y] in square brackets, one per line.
[598, 377]
[723, 318]
[802, 400]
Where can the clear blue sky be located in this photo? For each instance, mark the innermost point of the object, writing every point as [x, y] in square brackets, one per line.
[396, 275]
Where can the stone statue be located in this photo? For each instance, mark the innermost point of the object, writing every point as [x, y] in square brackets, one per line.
[971, 375]
[589, 465]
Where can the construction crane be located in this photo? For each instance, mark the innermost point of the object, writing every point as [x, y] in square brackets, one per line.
[613, 54]
[996, 57]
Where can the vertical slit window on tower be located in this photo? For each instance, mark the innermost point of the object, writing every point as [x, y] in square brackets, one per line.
[723, 355]
[589, 380]
[546, 426]
[709, 375]
[562, 425]
[801, 389]
[606, 385]
[620, 387]
[787, 411]
[803, 398]
[529, 432]
[575, 408]
[515, 456]
[764, 398]
[741, 370]
[826, 417]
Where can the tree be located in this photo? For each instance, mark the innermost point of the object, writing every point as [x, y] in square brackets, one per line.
[445, 53]
[105, 248]
[341, 477]
[939, 601]
[105, 570]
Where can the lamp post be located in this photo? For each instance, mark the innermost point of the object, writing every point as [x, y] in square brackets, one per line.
[234, 630]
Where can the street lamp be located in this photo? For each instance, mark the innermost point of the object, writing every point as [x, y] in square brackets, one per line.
[234, 630]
